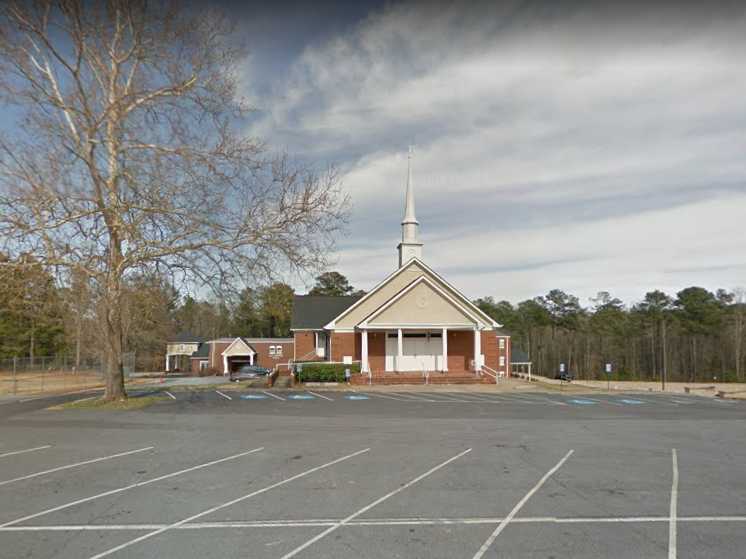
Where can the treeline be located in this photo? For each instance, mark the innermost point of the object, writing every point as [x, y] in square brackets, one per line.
[40, 319]
[696, 335]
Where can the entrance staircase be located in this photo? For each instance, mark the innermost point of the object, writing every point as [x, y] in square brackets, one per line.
[432, 377]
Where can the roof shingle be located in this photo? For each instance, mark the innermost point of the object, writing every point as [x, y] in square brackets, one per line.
[313, 312]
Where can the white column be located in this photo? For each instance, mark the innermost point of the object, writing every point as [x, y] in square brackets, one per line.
[445, 348]
[477, 349]
[399, 349]
[167, 369]
[225, 364]
[365, 366]
[251, 359]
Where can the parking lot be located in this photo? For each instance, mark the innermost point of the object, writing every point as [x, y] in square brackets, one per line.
[314, 474]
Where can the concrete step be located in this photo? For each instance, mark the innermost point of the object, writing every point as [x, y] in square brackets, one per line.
[391, 379]
[282, 381]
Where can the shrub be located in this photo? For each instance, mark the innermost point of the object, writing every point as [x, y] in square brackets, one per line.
[325, 372]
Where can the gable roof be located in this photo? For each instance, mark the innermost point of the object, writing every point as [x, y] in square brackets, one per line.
[465, 301]
[422, 280]
[186, 338]
[231, 349]
[312, 312]
[203, 352]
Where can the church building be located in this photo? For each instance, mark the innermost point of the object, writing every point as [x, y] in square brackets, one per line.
[413, 321]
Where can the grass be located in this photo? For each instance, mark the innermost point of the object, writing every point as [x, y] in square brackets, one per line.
[99, 404]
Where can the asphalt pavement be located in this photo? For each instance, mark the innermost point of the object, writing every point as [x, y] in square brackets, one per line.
[322, 474]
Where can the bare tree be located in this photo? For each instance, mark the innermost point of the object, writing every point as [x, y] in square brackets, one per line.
[129, 159]
[739, 329]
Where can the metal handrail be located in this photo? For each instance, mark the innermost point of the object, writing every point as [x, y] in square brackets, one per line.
[491, 372]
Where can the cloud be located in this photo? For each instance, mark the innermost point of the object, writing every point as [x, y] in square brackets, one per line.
[558, 144]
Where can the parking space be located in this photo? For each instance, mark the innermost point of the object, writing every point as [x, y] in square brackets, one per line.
[632, 403]
[367, 474]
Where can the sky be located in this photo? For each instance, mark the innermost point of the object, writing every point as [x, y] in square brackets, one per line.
[574, 145]
[581, 145]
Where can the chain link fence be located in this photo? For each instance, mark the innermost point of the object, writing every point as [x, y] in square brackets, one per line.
[59, 373]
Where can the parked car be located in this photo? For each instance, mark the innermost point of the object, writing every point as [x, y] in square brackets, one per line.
[567, 376]
[246, 372]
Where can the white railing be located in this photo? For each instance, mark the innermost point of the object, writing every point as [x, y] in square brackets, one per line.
[491, 372]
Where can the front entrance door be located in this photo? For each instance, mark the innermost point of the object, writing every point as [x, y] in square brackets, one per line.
[421, 352]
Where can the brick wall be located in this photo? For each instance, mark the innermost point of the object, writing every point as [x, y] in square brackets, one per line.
[346, 343]
[377, 351]
[305, 348]
[460, 350]
[216, 356]
[263, 358]
[490, 350]
[493, 352]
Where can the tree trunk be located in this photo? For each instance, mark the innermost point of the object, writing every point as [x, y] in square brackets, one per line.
[31, 348]
[664, 349]
[738, 344]
[693, 373]
[114, 366]
[78, 335]
[114, 341]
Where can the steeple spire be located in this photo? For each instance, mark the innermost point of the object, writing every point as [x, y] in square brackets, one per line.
[409, 213]
[410, 246]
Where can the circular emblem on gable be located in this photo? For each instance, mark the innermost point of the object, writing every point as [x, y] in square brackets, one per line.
[422, 301]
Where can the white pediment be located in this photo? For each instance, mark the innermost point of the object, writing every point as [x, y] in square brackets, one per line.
[238, 347]
[380, 296]
[422, 304]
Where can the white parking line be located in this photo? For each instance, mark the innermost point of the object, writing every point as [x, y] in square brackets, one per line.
[494, 398]
[366, 508]
[224, 395]
[320, 395]
[613, 403]
[387, 397]
[228, 504]
[538, 399]
[275, 396]
[170, 395]
[471, 397]
[443, 398]
[328, 522]
[25, 451]
[59, 469]
[674, 507]
[128, 487]
[414, 398]
[514, 397]
[490, 540]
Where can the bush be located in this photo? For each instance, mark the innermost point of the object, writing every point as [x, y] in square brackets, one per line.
[325, 372]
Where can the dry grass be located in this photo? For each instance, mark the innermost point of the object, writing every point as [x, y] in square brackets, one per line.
[54, 382]
[99, 404]
[47, 382]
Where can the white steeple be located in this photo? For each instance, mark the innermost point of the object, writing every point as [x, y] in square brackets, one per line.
[410, 246]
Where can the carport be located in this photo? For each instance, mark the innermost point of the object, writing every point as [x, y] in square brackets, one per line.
[237, 354]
